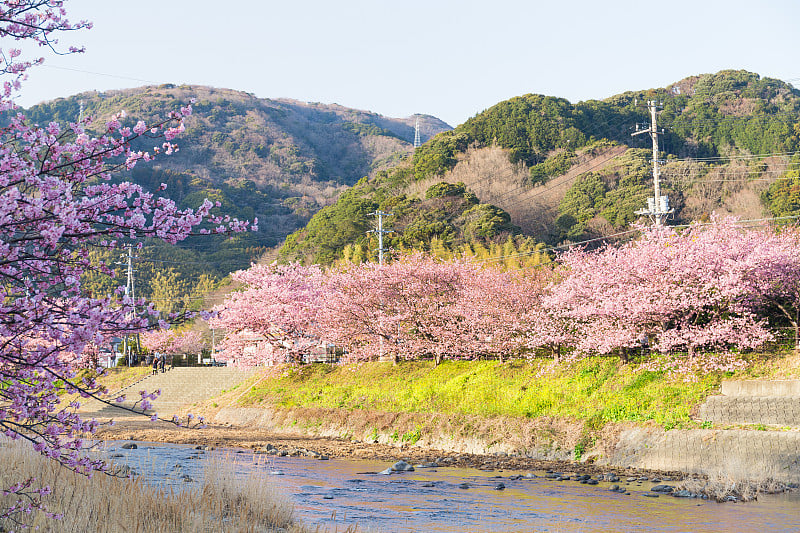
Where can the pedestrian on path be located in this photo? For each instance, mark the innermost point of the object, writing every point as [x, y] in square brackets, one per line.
[155, 365]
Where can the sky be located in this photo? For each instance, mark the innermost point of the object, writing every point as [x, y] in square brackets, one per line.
[446, 58]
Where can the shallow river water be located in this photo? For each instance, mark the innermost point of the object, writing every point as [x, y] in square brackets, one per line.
[337, 493]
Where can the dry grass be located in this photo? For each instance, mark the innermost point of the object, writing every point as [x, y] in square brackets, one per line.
[734, 484]
[220, 503]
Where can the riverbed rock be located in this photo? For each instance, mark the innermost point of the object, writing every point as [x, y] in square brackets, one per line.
[684, 494]
[386, 472]
[650, 494]
[327, 497]
[276, 473]
[500, 486]
[428, 484]
[615, 488]
[610, 477]
[464, 486]
[129, 446]
[323, 457]
[116, 455]
[187, 478]
[402, 466]
[592, 482]
[663, 488]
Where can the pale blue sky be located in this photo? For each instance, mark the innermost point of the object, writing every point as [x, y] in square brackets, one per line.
[451, 59]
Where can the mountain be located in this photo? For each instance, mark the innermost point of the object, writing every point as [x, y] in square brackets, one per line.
[294, 157]
[278, 160]
[539, 168]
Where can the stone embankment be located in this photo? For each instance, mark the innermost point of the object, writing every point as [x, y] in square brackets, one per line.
[754, 433]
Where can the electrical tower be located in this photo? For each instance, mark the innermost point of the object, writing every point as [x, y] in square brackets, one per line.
[380, 231]
[657, 206]
[417, 141]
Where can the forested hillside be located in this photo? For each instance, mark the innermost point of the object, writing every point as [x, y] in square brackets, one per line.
[541, 169]
[276, 160]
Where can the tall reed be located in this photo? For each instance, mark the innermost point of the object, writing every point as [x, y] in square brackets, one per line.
[221, 502]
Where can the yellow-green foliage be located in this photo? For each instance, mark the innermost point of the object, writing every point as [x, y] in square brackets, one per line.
[597, 390]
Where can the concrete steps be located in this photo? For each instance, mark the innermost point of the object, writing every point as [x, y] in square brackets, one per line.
[179, 387]
[771, 450]
[774, 403]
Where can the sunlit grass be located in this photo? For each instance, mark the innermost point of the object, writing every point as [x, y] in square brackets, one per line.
[598, 390]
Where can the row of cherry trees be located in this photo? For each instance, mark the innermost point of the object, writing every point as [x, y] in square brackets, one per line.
[708, 288]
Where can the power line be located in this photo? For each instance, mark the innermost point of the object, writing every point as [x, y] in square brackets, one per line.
[47, 65]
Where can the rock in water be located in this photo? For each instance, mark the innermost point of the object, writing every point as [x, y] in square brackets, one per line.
[663, 488]
[402, 466]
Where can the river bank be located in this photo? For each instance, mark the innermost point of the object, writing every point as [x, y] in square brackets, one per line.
[592, 417]
[257, 439]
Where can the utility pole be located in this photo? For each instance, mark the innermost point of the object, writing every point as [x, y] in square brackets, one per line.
[213, 346]
[129, 292]
[657, 206]
[380, 231]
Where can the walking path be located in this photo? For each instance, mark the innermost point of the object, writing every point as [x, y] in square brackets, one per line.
[179, 387]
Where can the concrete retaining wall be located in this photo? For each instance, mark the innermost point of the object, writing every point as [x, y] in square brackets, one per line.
[767, 410]
[761, 388]
[740, 454]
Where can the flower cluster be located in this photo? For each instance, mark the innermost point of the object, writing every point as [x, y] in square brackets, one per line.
[57, 200]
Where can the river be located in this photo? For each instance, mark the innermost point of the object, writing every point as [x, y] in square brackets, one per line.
[337, 493]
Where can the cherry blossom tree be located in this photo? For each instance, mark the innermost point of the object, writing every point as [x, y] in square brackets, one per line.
[274, 315]
[407, 309]
[158, 340]
[56, 202]
[702, 288]
[187, 342]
